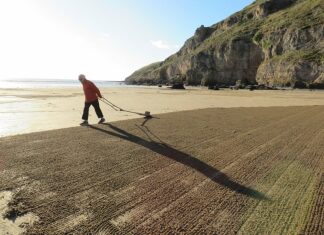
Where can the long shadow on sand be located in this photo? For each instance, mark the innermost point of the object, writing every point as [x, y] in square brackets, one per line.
[183, 158]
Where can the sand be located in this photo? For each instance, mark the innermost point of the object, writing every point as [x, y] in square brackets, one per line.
[256, 170]
[31, 110]
[16, 225]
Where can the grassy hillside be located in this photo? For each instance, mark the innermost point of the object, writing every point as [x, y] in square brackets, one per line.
[269, 30]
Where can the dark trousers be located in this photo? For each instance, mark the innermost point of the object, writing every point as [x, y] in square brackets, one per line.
[96, 106]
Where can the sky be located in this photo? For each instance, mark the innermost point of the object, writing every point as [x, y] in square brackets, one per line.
[104, 39]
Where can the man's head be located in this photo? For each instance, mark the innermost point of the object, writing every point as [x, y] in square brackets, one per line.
[82, 78]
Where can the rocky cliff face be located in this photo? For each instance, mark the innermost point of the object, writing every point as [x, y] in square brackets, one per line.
[273, 42]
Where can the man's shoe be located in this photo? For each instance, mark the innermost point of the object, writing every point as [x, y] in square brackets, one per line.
[102, 120]
[84, 123]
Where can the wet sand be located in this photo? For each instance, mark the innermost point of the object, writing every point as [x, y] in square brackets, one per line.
[32, 110]
[240, 170]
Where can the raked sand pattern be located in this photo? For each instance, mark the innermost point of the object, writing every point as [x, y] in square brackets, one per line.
[210, 171]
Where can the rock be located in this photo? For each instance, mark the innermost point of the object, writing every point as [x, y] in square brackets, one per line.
[316, 86]
[211, 87]
[177, 86]
[300, 74]
[270, 6]
[272, 42]
[177, 82]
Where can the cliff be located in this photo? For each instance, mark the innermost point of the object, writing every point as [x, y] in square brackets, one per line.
[272, 42]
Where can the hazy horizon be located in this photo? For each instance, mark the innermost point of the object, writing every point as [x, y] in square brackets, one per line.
[104, 39]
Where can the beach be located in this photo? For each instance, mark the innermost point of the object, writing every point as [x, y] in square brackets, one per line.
[239, 170]
[38, 109]
[246, 162]
[172, 118]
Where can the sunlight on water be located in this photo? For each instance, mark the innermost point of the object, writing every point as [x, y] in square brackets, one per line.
[9, 99]
[16, 115]
[53, 83]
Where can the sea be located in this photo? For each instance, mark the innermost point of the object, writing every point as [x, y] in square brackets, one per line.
[54, 83]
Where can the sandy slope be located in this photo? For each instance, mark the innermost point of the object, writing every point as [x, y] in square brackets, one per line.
[30, 110]
[224, 171]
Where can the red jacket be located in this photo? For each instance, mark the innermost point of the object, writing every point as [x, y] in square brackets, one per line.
[91, 92]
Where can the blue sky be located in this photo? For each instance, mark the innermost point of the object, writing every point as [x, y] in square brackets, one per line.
[105, 39]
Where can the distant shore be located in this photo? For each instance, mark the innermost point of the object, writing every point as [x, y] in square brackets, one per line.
[31, 110]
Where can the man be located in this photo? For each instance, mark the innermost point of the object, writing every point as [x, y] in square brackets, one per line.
[91, 93]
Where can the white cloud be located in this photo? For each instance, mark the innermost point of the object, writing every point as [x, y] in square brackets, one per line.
[160, 44]
[163, 45]
[104, 37]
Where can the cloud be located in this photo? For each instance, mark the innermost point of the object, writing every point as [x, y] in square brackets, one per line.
[163, 45]
[104, 37]
[160, 44]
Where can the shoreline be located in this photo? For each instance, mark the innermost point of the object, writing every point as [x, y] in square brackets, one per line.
[142, 118]
[29, 110]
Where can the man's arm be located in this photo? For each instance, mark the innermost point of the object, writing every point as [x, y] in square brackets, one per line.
[95, 88]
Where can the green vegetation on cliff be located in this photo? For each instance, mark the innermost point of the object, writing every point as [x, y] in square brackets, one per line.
[236, 48]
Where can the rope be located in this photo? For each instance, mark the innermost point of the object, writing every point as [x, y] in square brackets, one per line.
[111, 105]
[117, 108]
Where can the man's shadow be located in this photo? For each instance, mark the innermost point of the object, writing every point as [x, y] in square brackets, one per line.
[183, 158]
